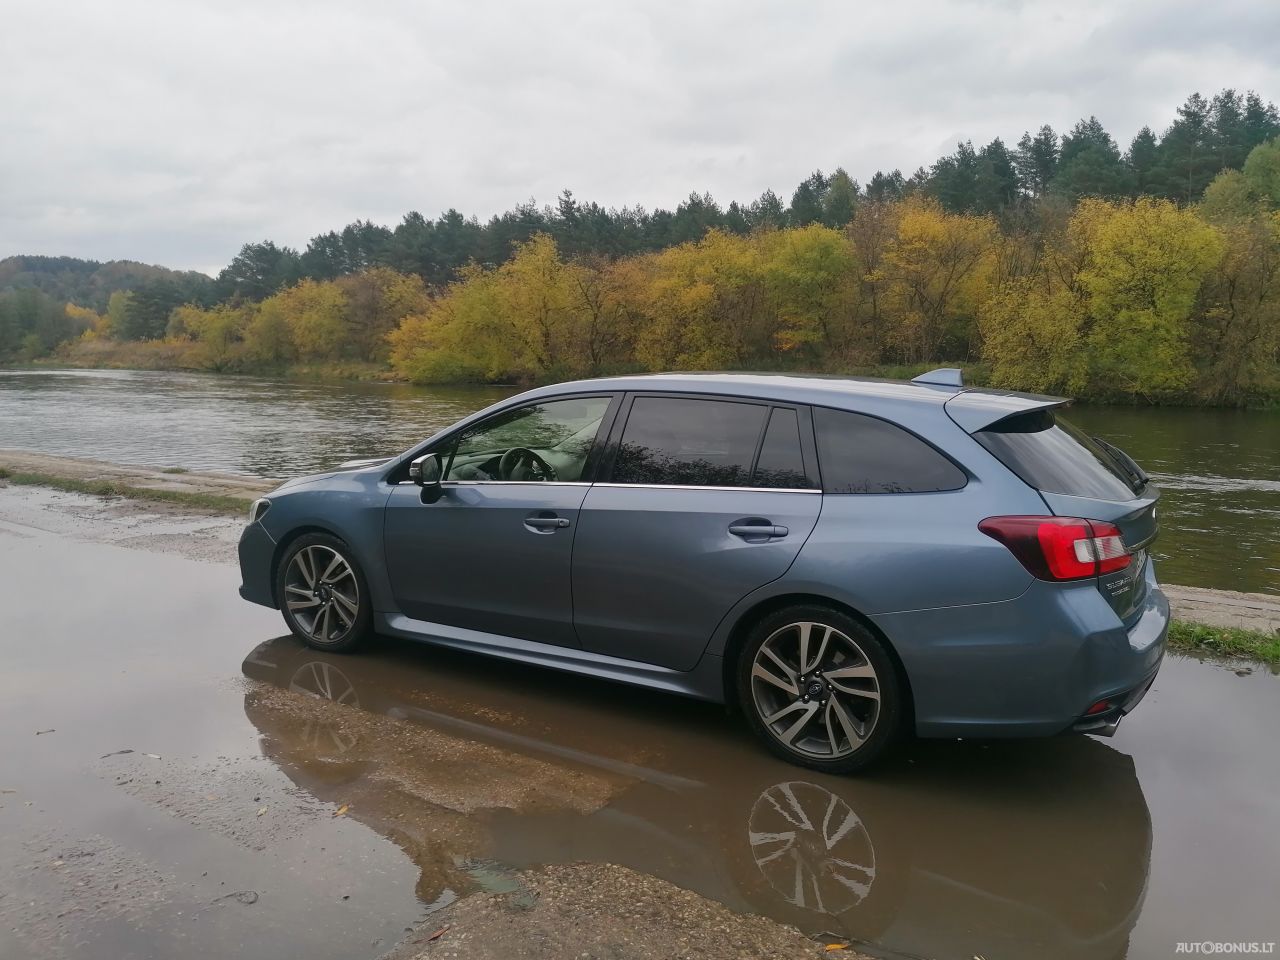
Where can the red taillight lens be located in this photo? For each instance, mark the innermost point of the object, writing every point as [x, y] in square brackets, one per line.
[1060, 548]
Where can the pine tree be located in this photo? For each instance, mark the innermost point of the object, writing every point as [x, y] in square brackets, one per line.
[1036, 160]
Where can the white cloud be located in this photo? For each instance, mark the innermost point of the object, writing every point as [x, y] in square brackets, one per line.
[172, 132]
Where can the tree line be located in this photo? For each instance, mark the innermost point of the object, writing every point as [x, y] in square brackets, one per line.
[1006, 181]
[1061, 264]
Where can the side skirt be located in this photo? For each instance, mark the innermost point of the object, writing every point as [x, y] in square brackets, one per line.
[704, 682]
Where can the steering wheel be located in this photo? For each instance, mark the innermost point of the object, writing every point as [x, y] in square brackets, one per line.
[530, 465]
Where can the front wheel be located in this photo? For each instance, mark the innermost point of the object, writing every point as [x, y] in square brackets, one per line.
[819, 689]
[323, 594]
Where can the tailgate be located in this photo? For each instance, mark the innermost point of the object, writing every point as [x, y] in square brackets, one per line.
[1079, 476]
[1124, 589]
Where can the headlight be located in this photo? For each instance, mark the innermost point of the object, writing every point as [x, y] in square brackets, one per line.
[259, 509]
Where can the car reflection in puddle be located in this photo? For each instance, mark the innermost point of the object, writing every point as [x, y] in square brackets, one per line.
[948, 849]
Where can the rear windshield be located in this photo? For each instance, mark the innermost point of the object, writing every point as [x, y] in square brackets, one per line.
[1055, 456]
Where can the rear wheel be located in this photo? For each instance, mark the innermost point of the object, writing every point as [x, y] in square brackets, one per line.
[819, 689]
[323, 594]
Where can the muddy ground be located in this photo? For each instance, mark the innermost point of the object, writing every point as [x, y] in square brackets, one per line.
[179, 778]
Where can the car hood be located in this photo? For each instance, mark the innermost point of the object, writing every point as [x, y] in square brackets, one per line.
[348, 467]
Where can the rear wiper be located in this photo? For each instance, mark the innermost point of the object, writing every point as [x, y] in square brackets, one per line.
[1137, 476]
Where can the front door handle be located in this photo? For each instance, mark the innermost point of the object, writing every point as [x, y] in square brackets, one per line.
[544, 524]
[756, 531]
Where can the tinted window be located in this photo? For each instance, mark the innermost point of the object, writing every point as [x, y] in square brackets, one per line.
[1053, 455]
[859, 454]
[705, 443]
[781, 462]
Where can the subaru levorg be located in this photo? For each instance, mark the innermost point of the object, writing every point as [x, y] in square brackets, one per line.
[844, 560]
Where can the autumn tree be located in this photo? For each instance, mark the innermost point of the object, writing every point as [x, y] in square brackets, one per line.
[934, 274]
[1111, 311]
[315, 314]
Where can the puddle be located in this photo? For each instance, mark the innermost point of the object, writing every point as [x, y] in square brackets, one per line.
[951, 849]
[318, 805]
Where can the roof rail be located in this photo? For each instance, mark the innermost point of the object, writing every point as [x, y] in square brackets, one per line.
[942, 377]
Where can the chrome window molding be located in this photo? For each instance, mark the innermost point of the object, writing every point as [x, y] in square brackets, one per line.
[618, 486]
[514, 483]
[690, 486]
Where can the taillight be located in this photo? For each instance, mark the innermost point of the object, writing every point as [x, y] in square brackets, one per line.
[1060, 548]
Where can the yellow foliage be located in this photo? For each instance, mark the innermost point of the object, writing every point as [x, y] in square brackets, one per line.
[315, 314]
[85, 323]
[536, 316]
[935, 272]
[1109, 309]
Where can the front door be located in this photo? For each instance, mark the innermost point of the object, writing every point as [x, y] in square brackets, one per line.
[493, 552]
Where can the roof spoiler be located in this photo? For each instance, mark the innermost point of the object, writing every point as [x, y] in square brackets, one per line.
[942, 377]
[976, 410]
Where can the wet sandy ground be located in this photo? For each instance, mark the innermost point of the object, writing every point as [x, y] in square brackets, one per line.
[181, 780]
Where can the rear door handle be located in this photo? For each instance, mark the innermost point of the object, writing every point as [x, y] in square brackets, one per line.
[540, 524]
[758, 530]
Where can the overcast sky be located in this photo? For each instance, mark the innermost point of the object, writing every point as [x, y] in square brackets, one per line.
[174, 131]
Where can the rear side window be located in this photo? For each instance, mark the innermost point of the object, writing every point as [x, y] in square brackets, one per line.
[860, 454]
[781, 462]
[688, 442]
[1055, 456]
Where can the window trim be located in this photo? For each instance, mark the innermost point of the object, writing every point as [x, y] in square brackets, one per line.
[964, 471]
[808, 447]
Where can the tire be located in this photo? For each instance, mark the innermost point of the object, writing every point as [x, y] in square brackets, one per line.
[322, 615]
[850, 706]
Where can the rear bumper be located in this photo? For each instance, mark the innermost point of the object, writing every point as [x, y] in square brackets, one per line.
[256, 551]
[1031, 666]
[1105, 723]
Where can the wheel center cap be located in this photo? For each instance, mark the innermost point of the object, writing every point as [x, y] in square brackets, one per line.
[816, 688]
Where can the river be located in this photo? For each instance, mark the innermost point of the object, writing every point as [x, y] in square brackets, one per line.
[1219, 469]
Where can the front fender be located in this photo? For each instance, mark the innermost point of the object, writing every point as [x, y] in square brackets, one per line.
[350, 507]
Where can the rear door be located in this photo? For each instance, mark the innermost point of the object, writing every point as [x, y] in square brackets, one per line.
[1079, 476]
[704, 499]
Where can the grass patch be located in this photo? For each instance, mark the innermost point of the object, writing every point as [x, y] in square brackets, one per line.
[217, 503]
[174, 470]
[1188, 637]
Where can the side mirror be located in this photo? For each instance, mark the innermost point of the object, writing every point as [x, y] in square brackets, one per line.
[426, 470]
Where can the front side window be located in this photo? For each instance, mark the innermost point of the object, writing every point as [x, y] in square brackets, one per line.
[689, 442]
[860, 454]
[541, 442]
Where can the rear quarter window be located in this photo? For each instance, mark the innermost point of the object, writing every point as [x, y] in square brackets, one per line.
[860, 454]
[1053, 455]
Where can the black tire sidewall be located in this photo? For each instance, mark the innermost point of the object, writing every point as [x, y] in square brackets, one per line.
[362, 628]
[892, 696]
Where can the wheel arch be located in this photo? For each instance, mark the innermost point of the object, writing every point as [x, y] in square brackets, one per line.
[737, 638]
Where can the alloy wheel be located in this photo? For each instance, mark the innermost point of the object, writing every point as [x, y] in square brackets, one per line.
[815, 690]
[322, 594]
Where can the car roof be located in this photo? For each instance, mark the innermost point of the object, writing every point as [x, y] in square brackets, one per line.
[864, 394]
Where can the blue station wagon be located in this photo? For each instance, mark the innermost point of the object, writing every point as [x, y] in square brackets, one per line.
[843, 560]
